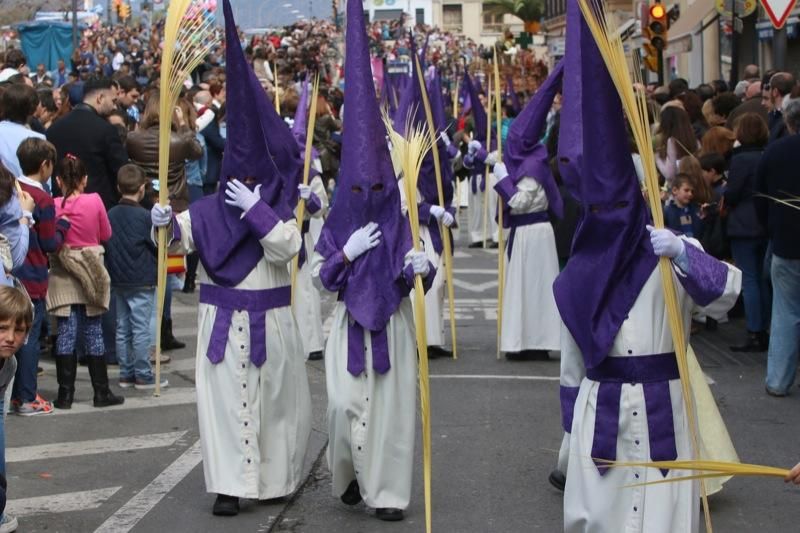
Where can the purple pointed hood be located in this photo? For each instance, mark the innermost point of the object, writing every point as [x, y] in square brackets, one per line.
[367, 192]
[259, 146]
[389, 95]
[412, 101]
[523, 154]
[511, 94]
[611, 253]
[301, 115]
[478, 112]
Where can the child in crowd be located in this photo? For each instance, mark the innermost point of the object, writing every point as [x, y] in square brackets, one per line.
[37, 158]
[714, 173]
[79, 290]
[15, 215]
[131, 264]
[681, 213]
[16, 317]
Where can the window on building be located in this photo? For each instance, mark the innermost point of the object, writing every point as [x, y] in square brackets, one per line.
[452, 18]
[420, 15]
[492, 22]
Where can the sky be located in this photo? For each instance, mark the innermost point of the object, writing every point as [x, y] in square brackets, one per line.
[271, 13]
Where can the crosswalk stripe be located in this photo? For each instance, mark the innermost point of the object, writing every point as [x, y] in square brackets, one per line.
[89, 447]
[169, 397]
[137, 507]
[60, 503]
[494, 376]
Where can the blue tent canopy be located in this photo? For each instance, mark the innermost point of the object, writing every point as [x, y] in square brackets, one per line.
[46, 42]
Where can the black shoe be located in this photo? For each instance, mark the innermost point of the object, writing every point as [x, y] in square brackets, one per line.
[528, 355]
[435, 352]
[168, 341]
[315, 356]
[188, 286]
[478, 244]
[226, 505]
[352, 495]
[389, 514]
[493, 245]
[558, 479]
[66, 369]
[756, 342]
[103, 397]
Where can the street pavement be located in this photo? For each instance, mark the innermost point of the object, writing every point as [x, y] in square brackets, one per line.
[495, 435]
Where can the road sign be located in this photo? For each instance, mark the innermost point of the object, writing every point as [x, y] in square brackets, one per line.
[778, 11]
[744, 8]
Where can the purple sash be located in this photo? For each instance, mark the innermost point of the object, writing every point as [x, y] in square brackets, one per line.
[526, 219]
[654, 373]
[356, 360]
[256, 303]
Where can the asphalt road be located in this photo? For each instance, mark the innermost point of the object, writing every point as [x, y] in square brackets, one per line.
[496, 431]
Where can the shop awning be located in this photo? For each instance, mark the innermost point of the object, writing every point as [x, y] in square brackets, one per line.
[689, 23]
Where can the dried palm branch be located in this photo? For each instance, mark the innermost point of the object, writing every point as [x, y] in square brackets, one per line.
[190, 34]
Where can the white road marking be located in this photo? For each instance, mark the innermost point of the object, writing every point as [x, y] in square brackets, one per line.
[491, 271]
[137, 507]
[475, 287]
[89, 447]
[60, 503]
[169, 397]
[494, 376]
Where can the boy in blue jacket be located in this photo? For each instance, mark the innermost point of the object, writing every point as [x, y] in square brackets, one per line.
[131, 264]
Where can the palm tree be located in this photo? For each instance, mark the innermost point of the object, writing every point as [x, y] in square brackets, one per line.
[530, 11]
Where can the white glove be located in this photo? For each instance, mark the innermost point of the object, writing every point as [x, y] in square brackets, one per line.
[305, 191]
[665, 243]
[445, 139]
[420, 264]
[448, 219]
[500, 171]
[161, 215]
[437, 212]
[491, 159]
[240, 196]
[473, 147]
[361, 241]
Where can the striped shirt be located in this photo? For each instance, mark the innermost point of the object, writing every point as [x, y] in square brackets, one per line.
[46, 236]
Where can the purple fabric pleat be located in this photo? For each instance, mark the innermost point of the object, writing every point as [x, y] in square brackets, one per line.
[219, 335]
[568, 397]
[707, 276]
[258, 337]
[660, 423]
[302, 256]
[256, 303]
[380, 351]
[356, 362]
[606, 425]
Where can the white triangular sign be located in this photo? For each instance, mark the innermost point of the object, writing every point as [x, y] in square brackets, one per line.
[778, 11]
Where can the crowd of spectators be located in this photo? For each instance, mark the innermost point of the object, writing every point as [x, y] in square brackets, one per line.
[724, 155]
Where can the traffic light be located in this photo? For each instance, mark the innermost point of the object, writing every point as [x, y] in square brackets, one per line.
[117, 5]
[124, 11]
[657, 24]
[655, 33]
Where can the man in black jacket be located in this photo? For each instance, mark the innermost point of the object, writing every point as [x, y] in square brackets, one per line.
[780, 87]
[777, 179]
[86, 134]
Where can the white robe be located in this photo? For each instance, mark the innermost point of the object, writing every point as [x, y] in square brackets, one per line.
[595, 504]
[434, 298]
[530, 315]
[254, 422]
[371, 417]
[477, 208]
[307, 305]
